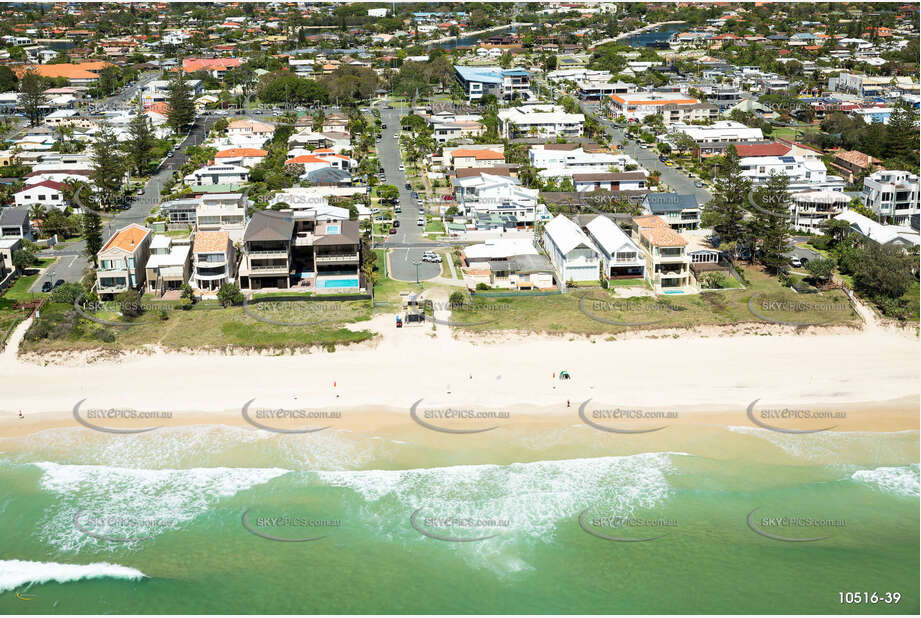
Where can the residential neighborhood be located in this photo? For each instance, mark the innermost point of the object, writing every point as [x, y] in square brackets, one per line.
[469, 308]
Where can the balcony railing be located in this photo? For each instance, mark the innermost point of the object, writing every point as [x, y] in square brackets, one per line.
[269, 252]
[337, 257]
[281, 269]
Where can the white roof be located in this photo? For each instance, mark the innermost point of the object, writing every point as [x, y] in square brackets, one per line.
[609, 235]
[177, 256]
[565, 234]
[501, 248]
[883, 234]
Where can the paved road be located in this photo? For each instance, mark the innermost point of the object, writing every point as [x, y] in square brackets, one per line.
[405, 253]
[649, 159]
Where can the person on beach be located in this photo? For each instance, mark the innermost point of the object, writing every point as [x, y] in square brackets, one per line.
[20, 415]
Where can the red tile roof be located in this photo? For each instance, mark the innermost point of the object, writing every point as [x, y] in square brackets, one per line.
[762, 150]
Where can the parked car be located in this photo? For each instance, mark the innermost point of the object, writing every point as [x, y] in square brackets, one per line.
[393, 230]
[698, 184]
[396, 223]
[409, 187]
[397, 209]
[58, 283]
[401, 167]
[374, 211]
[796, 262]
[46, 286]
[431, 256]
[396, 136]
[420, 221]
[448, 197]
[383, 125]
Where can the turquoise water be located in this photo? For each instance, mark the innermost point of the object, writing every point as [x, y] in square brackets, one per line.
[339, 283]
[174, 502]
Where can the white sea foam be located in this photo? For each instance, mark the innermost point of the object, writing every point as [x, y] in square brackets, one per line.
[837, 446]
[532, 497]
[901, 480]
[15, 573]
[170, 497]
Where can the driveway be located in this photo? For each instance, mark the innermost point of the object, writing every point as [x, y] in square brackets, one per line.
[408, 243]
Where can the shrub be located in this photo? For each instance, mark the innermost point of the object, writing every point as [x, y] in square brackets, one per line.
[229, 294]
[128, 303]
[68, 293]
[482, 286]
[457, 298]
[104, 334]
[714, 280]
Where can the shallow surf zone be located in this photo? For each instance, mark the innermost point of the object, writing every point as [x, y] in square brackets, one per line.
[491, 514]
[896, 480]
[16, 573]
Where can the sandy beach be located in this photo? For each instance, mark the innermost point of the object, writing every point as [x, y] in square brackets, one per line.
[701, 374]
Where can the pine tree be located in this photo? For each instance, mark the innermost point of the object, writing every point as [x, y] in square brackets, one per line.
[725, 213]
[771, 221]
[108, 169]
[92, 234]
[181, 107]
[32, 96]
[140, 143]
[902, 134]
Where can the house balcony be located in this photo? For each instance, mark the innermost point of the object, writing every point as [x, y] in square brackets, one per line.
[671, 259]
[283, 253]
[336, 257]
[304, 239]
[268, 269]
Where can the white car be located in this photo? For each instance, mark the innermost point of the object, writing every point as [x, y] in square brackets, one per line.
[420, 221]
[396, 136]
[374, 211]
[401, 168]
[431, 257]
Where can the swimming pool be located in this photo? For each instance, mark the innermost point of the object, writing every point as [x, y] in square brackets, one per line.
[672, 292]
[338, 283]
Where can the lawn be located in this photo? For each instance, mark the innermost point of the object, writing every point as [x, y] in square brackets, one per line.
[435, 225]
[20, 289]
[627, 283]
[791, 133]
[9, 318]
[593, 311]
[296, 324]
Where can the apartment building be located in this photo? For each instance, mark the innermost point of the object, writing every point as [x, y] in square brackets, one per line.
[540, 121]
[266, 259]
[222, 212]
[168, 266]
[811, 209]
[571, 251]
[892, 195]
[15, 223]
[462, 158]
[621, 258]
[489, 194]
[636, 106]
[609, 181]
[805, 174]
[504, 84]
[668, 265]
[721, 131]
[564, 160]
[122, 260]
[213, 260]
[218, 175]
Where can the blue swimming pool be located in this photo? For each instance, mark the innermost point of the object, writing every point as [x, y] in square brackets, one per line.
[338, 283]
[673, 292]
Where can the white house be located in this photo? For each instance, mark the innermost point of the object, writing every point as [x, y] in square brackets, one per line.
[218, 175]
[878, 232]
[621, 258]
[490, 194]
[541, 121]
[46, 193]
[811, 209]
[609, 181]
[892, 194]
[571, 252]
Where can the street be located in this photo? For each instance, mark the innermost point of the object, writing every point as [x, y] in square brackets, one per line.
[408, 244]
[649, 159]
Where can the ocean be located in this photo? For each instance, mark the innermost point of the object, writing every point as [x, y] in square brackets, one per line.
[221, 519]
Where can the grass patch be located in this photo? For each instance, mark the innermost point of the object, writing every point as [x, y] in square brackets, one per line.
[435, 225]
[601, 313]
[207, 326]
[20, 289]
[627, 283]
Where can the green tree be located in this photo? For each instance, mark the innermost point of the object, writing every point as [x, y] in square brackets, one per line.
[229, 294]
[32, 96]
[92, 234]
[24, 259]
[108, 169]
[140, 143]
[883, 270]
[725, 212]
[8, 79]
[770, 221]
[821, 269]
[181, 107]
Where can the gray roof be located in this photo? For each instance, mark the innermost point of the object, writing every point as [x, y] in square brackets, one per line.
[270, 225]
[670, 202]
[14, 216]
[328, 175]
[348, 233]
[525, 264]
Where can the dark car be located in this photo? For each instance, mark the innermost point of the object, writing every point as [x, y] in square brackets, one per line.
[393, 230]
[396, 223]
[46, 286]
[383, 125]
[409, 187]
[59, 283]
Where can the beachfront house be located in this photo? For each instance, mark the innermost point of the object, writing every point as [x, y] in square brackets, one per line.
[214, 260]
[668, 265]
[620, 257]
[122, 259]
[168, 265]
[571, 252]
